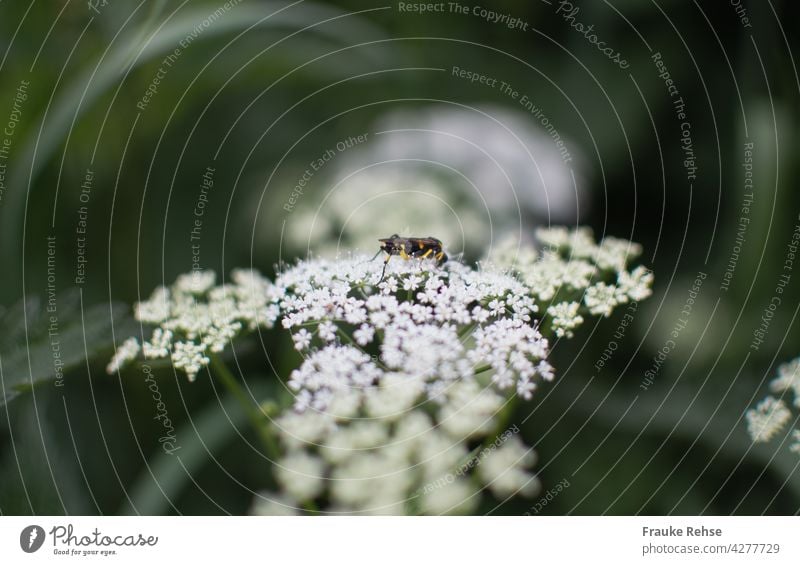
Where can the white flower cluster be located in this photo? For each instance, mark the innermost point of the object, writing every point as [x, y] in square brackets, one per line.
[194, 318]
[403, 378]
[424, 323]
[771, 416]
[573, 276]
[406, 379]
[389, 450]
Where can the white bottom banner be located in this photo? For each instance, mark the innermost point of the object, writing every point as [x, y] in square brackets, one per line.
[388, 540]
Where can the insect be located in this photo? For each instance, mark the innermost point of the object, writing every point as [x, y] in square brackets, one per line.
[411, 247]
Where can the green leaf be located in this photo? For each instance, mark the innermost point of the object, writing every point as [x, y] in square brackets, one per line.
[43, 339]
[153, 40]
[165, 477]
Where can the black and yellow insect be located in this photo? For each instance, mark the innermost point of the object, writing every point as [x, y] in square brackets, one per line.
[411, 248]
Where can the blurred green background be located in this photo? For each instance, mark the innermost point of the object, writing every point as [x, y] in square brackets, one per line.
[260, 91]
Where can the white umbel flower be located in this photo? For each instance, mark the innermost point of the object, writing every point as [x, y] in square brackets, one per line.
[194, 318]
[405, 379]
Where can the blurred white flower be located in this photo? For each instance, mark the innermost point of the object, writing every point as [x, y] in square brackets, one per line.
[360, 208]
[301, 475]
[159, 345]
[125, 353]
[767, 419]
[273, 504]
[601, 299]
[505, 469]
[771, 415]
[795, 447]
[413, 460]
[511, 164]
[788, 379]
[473, 173]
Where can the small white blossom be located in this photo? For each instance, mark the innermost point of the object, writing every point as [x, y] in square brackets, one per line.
[515, 351]
[332, 369]
[564, 318]
[156, 309]
[364, 334]
[217, 336]
[767, 419]
[601, 299]
[302, 339]
[125, 353]
[189, 357]
[327, 331]
[159, 345]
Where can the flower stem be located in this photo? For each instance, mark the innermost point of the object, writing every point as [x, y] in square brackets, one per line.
[255, 415]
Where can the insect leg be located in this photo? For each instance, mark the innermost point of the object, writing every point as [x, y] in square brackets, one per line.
[383, 272]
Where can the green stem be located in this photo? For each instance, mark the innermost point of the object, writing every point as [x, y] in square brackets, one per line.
[256, 417]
